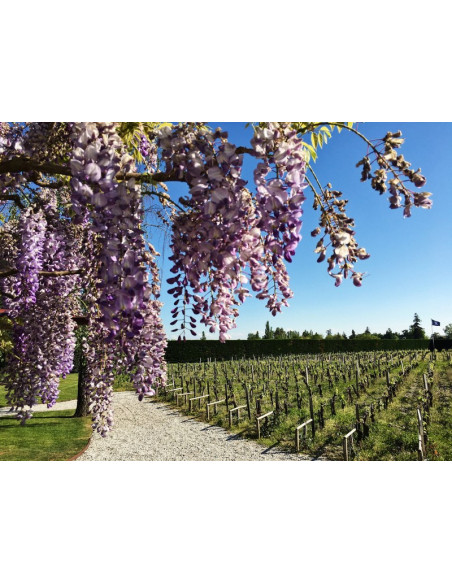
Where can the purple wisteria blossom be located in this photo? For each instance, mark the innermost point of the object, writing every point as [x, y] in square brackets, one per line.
[128, 324]
[41, 308]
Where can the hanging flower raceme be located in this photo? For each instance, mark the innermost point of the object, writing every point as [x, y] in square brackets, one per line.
[113, 211]
[128, 334]
[32, 229]
[148, 366]
[99, 376]
[226, 240]
[339, 236]
[280, 182]
[43, 329]
[211, 242]
[146, 352]
[280, 197]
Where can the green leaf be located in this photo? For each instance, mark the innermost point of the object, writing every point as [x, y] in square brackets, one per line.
[311, 151]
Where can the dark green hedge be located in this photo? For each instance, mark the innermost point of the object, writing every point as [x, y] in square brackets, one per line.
[440, 344]
[190, 351]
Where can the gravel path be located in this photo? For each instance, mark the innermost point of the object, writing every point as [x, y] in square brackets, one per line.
[67, 405]
[153, 431]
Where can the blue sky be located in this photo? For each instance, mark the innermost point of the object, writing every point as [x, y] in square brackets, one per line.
[408, 270]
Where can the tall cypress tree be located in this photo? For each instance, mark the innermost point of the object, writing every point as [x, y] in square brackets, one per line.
[268, 331]
[416, 331]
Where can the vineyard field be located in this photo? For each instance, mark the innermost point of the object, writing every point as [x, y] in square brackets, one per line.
[390, 405]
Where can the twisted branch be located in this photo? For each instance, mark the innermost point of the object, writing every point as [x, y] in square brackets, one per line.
[56, 274]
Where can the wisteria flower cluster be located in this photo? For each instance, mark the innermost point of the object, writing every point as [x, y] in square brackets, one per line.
[211, 239]
[279, 199]
[29, 262]
[388, 161]
[339, 236]
[113, 211]
[280, 184]
[42, 311]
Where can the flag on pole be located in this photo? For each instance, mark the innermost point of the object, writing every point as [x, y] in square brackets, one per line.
[435, 323]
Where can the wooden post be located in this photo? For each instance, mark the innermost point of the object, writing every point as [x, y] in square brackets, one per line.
[321, 418]
[214, 404]
[311, 411]
[248, 405]
[420, 450]
[426, 387]
[258, 406]
[365, 426]
[184, 395]
[258, 422]
[345, 443]
[421, 437]
[237, 410]
[358, 423]
[297, 433]
[197, 398]
[172, 391]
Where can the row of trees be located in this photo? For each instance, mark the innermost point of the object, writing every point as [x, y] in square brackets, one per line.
[415, 331]
[280, 333]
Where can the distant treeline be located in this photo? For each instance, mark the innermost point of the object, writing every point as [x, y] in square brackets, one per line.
[190, 351]
[414, 331]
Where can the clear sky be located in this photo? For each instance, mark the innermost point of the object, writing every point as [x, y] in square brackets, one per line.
[409, 268]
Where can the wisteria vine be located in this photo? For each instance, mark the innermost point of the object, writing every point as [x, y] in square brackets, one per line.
[73, 244]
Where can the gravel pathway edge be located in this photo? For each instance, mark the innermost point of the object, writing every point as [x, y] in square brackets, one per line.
[153, 431]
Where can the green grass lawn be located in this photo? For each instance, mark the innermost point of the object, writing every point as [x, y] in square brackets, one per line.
[47, 436]
[50, 435]
[68, 390]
